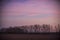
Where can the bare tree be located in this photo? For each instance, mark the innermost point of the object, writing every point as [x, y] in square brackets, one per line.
[59, 27]
[46, 28]
[36, 27]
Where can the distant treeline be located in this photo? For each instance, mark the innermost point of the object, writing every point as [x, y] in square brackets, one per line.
[31, 29]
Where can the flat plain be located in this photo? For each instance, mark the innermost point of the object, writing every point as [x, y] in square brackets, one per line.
[29, 36]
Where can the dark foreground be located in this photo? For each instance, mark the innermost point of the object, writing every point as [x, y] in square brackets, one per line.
[51, 36]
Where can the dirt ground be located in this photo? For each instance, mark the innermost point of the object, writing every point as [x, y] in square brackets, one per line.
[29, 37]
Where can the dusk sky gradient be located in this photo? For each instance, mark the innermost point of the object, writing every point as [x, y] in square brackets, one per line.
[28, 12]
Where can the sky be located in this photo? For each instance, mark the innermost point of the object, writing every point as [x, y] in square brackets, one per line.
[29, 12]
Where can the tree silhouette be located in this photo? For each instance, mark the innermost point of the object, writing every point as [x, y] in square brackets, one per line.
[59, 27]
[45, 28]
[12, 30]
[30, 29]
[36, 27]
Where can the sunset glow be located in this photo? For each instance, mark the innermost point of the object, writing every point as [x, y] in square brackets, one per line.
[28, 12]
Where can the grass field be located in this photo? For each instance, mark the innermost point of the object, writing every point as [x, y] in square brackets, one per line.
[29, 36]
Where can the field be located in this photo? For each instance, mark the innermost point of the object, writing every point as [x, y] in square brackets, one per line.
[29, 36]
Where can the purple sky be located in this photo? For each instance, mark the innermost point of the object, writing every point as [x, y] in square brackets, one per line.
[28, 12]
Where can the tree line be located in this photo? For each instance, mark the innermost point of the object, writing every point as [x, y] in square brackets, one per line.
[31, 29]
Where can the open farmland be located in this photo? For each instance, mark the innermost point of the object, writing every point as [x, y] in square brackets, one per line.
[29, 36]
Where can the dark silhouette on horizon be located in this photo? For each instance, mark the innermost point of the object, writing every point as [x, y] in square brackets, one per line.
[31, 29]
